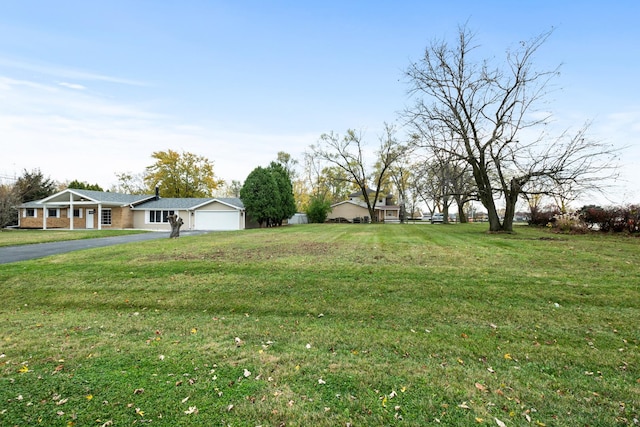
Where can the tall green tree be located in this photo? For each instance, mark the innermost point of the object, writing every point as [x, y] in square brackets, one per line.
[81, 185]
[181, 175]
[34, 186]
[260, 195]
[287, 205]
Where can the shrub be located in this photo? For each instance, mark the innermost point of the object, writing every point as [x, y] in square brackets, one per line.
[594, 216]
[612, 219]
[318, 209]
[633, 219]
[570, 223]
[543, 217]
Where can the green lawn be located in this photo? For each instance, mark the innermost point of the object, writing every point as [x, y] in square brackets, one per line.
[11, 237]
[327, 325]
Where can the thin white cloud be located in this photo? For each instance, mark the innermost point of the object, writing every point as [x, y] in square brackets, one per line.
[72, 86]
[66, 72]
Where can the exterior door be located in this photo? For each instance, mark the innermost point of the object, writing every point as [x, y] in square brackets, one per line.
[90, 213]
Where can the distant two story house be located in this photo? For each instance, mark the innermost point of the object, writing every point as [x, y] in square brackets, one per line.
[356, 208]
[86, 209]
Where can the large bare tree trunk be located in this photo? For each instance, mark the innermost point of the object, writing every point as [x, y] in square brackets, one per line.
[176, 222]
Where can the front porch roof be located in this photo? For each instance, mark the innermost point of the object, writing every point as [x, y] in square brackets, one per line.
[89, 197]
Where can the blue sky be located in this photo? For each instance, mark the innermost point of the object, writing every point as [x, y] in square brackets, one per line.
[91, 89]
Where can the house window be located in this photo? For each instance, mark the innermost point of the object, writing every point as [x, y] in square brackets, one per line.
[53, 213]
[77, 213]
[106, 216]
[30, 213]
[159, 216]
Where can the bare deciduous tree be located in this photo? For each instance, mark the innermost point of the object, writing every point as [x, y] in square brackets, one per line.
[348, 153]
[476, 113]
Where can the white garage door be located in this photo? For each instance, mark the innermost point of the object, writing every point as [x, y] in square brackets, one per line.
[220, 220]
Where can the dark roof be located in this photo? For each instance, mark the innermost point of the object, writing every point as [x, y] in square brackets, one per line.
[105, 197]
[188, 203]
[137, 201]
[111, 197]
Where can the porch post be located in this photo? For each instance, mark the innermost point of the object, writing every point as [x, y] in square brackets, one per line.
[44, 217]
[70, 212]
[99, 216]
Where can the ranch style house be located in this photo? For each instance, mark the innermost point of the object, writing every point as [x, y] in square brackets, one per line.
[87, 209]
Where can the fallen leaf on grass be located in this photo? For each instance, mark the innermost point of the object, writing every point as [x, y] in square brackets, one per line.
[24, 369]
[321, 381]
[481, 387]
[464, 405]
[139, 412]
[500, 423]
[192, 410]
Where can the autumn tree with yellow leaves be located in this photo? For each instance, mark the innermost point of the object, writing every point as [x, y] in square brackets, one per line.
[181, 175]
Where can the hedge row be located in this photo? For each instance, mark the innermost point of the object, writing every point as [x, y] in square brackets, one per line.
[616, 219]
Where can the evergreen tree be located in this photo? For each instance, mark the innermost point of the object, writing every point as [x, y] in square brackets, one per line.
[34, 186]
[287, 206]
[260, 196]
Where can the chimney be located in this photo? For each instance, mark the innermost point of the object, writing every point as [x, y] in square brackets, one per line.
[157, 193]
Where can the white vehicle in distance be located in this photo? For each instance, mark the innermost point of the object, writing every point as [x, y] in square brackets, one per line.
[437, 218]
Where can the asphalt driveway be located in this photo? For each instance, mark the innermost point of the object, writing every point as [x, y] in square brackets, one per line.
[39, 250]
